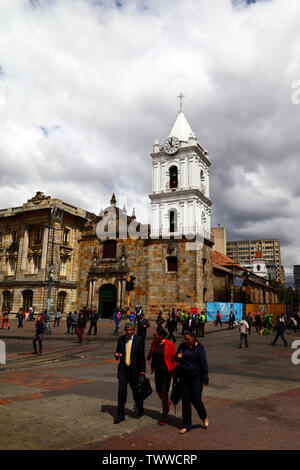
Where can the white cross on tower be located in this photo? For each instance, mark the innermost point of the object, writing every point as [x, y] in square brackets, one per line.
[181, 96]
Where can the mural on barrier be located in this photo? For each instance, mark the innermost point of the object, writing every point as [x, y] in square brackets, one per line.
[277, 310]
[224, 309]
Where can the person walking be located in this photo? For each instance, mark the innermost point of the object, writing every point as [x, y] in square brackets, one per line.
[142, 326]
[190, 323]
[258, 323]
[5, 318]
[218, 319]
[74, 320]
[231, 321]
[20, 317]
[93, 322]
[117, 319]
[57, 317]
[279, 328]
[162, 355]
[39, 334]
[249, 320]
[193, 375]
[132, 366]
[243, 329]
[30, 315]
[80, 326]
[171, 327]
[69, 323]
[160, 321]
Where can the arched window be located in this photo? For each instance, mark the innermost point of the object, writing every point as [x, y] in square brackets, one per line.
[173, 173]
[258, 267]
[27, 300]
[61, 301]
[109, 249]
[173, 221]
[202, 176]
[6, 300]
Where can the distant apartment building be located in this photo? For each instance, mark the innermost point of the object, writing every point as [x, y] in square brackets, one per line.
[243, 252]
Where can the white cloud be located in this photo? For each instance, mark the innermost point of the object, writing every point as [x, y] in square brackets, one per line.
[86, 87]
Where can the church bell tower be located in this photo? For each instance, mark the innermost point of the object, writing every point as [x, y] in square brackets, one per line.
[180, 203]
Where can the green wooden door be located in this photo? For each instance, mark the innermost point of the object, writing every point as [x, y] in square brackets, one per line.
[107, 300]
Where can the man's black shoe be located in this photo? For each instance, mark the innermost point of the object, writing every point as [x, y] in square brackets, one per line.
[119, 419]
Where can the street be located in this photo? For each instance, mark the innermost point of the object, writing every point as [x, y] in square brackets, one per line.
[66, 398]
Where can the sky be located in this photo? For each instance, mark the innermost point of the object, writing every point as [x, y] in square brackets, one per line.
[87, 86]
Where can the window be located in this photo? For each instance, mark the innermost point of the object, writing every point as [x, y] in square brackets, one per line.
[172, 263]
[173, 172]
[6, 300]
[66, 236]
[203, 264]
[109, 249]
[63, 267]
[38, 235]
[11, 266]
[173, 221]
[15, 236]
[61, 300]
[1, 239]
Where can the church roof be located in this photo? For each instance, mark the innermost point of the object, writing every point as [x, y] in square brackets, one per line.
[181, 129]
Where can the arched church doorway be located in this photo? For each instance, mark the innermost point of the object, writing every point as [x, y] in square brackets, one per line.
[107, 300]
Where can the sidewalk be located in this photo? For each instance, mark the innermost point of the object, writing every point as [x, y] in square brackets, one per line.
[105, 330]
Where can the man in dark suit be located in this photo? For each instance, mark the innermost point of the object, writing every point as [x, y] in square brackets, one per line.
[130, 352]
[190, 324]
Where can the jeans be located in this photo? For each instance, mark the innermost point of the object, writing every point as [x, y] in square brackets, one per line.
[93, 325]
[282, 337]
[243, 335]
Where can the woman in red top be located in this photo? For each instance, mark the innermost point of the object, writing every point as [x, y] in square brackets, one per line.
[162, 354]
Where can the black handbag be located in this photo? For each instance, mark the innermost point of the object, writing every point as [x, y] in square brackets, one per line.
[175, 394]
[144, 388]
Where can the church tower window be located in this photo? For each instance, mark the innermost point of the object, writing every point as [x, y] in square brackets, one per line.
[173, 221]
[173, 172]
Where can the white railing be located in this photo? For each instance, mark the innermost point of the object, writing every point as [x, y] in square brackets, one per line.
[195, 231]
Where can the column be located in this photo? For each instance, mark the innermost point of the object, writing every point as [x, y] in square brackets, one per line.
[25, 250]
[44, 249]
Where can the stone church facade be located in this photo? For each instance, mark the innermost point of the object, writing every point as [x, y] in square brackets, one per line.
[171, 259]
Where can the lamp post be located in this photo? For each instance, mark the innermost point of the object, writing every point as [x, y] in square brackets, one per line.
[56, 215]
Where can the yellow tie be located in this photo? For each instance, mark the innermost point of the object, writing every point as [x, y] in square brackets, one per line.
[128, 352]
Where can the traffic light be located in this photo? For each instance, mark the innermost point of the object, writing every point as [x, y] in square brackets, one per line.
[130, 284]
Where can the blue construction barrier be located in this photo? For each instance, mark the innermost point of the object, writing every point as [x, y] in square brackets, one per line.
[224, 309]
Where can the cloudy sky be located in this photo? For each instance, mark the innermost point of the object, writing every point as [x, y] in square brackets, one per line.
[86, 86]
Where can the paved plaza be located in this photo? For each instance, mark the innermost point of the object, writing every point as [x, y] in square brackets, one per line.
[66, 398]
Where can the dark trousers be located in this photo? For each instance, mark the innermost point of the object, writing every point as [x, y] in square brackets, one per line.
[40, 344]
[218, 321]
[126, 377]
[231, 325]
[56, 320]
[202, 327]
[93, 325]
[243, 336]
[282, 337]
[191, 394]
[171, 336]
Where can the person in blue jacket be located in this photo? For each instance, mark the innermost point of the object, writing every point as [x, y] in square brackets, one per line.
[192, 376]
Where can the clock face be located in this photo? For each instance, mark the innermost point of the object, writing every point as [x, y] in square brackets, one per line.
[171, 146]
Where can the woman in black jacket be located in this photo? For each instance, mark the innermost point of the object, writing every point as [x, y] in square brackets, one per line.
[193, 374]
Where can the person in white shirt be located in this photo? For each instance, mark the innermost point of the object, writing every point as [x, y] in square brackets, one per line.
[57, 317]
[244, 330]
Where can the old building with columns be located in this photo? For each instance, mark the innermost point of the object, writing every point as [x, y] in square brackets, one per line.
[30, 236]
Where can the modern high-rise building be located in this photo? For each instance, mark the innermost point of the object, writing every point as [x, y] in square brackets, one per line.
[244, 251]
